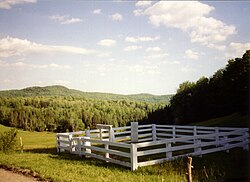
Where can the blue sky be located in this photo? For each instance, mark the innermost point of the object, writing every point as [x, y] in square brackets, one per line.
[121, 47]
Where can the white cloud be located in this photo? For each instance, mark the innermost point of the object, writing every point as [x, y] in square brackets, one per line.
[23, 65]
[191, 17]
[7, 4]
[116, 17]
[143, 3]
[107, 42]
[132, 48]
[144, 69]
[97, 11]
[192, 54]
[169, 62]
[236, 49]
[156, 55]
[65, 19]
[141, 39]
[153, 49]
[138, 12]
[218, 47]
[17, 47]
[104, 54]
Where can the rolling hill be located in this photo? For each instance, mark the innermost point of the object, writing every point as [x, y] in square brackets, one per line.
[58, 90]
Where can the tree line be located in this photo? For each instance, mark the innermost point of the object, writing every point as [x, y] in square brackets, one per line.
[60, 114]
[224, 93]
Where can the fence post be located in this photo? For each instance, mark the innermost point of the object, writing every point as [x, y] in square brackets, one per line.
[217, 138]
[133, 157]
[79, 146]
[174, 132]
[111, 134]
[195, 130]
[246, 146]
[154, 137]
[100, 133]
[71, 146]
[168, 150]
[197, 150]
[189, 169]
[195, 137]
[86, 143]
[225, 143]
[87, 133]
[58, 143]
[106, 154]
[21, 144]
[134, 132]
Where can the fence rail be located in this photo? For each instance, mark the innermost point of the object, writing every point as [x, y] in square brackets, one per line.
[142, 145]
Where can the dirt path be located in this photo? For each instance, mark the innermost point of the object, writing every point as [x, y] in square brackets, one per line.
[8, 176]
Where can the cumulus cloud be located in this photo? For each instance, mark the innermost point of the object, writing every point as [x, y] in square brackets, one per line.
[236, 49]
[22, 65]
[97, 11]
[143, 3]
[65, 19]
[218, 47]
[141, 39]
[192, 54]
[116, 17]
[17, 47]
[156, 55]
[132, 48]
[144, 69]
[138, 12]
[153, 49]
[191, 17]
[7, 4]
[107, 42]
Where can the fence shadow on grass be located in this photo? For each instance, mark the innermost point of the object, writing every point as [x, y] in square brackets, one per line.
[88, 161]
[43, 150]
[69, 157]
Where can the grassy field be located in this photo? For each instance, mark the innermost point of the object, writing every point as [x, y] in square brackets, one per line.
[234, 120]
[41, 157]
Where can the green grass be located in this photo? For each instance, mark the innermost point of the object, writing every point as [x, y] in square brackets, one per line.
[234, 120]
[40, 156]
[34, 140]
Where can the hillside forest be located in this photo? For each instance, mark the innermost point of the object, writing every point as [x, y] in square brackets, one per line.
[36, 109]
[224, 93]
[69, 113]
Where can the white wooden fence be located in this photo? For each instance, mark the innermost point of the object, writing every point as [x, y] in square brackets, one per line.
[142, 145]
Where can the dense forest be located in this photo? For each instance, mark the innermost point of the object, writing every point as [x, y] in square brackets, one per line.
[224, 93]
[54, 113]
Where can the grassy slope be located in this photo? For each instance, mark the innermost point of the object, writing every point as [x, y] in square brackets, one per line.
[41, 156]
[32, 140]
[234, 120]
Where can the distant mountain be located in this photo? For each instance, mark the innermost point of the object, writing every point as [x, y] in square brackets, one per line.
[58, 90]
